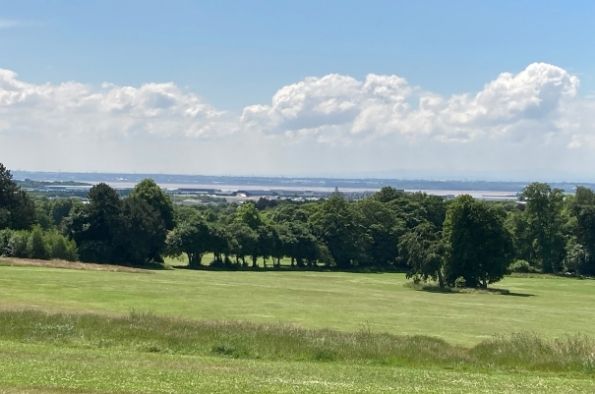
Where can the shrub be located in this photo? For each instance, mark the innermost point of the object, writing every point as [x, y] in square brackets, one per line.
[520, 266]
[5, 236]
[17, 245]
[61, 247]
[460, 282]
[36, 245]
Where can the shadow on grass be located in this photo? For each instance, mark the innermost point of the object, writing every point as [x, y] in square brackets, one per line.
[286, 268]
[456, 290]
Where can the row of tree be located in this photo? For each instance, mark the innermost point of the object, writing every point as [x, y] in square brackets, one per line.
[452, 242]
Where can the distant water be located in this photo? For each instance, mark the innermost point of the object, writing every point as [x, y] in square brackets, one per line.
[478, 189]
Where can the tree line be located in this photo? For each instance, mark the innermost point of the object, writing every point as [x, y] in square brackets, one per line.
[458, 242]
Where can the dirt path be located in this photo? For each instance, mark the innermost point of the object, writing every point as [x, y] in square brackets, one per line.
[12, 261]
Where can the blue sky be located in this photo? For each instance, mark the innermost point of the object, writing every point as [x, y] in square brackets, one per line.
[240, 52]
[234, 57]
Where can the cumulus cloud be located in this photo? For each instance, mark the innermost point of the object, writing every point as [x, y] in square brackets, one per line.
[112, 111]
[387, 104]
[382, 119]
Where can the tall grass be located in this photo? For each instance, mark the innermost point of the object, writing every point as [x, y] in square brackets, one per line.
[149, 333]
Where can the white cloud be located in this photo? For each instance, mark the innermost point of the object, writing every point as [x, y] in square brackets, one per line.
[109, 111]
[517, 121]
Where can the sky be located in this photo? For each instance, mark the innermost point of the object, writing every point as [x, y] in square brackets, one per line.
[427, 89]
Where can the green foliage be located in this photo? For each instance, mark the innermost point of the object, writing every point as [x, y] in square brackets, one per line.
[335, 224]
[17, 210]
[477, 243]
[152, 194]
[243, 241]
[390, 230]
[248, 215]
[192, 236]
[520, 266]
[132, 230]
[581, 252]
[544, 216]
[61, 247]
[98, 227]
[17, 246]
[36, 245]
[60, 209]
[144, 232]
[150, 213]
[423, 250]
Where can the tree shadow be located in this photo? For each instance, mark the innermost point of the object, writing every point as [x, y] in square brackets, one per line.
[466, 290]
[285, 268]
[507, 292]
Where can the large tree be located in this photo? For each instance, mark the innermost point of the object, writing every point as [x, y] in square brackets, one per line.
[382, 230]
[17, 210]
[478, 245]
[583, 208]
[423, 251]
[192, 237]
[160, 208]
[335, 224]
[544, 216]
[98, 227]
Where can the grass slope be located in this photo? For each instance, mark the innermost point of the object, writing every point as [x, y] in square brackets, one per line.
[288, 332]
[547, 306]
[48, 369]
[144, 353]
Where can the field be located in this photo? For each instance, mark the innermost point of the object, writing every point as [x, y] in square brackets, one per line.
[192, 331]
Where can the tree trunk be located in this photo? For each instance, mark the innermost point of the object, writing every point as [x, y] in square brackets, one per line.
[440, 279]
[193, 260]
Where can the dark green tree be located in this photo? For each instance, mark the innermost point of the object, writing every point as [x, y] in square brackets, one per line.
[583, 209]
[243, 241]
[98, 227]
[334, 223]
[544, 215]
[382, 230]
[17, 210]
[191, 237]
[161, 209]
[423, 251]
[478, 245]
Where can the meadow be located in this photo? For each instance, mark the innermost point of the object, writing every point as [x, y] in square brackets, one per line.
[177, 330]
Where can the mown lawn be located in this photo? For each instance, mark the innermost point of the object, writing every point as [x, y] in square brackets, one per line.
[548, 306]
[62, 353]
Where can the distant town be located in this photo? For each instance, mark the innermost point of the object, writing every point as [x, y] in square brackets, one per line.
[202, 189]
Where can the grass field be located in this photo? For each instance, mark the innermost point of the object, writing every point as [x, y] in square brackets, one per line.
[61, 355]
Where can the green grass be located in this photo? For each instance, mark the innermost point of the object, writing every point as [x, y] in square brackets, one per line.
[205, 331]
[154, 354]
[44, 368]
[547, 306]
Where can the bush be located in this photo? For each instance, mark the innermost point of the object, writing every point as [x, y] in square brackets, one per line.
[36, 245]
[17, 245]
[520, 266]
[61, 247]
[460, 282]
[5, 236]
